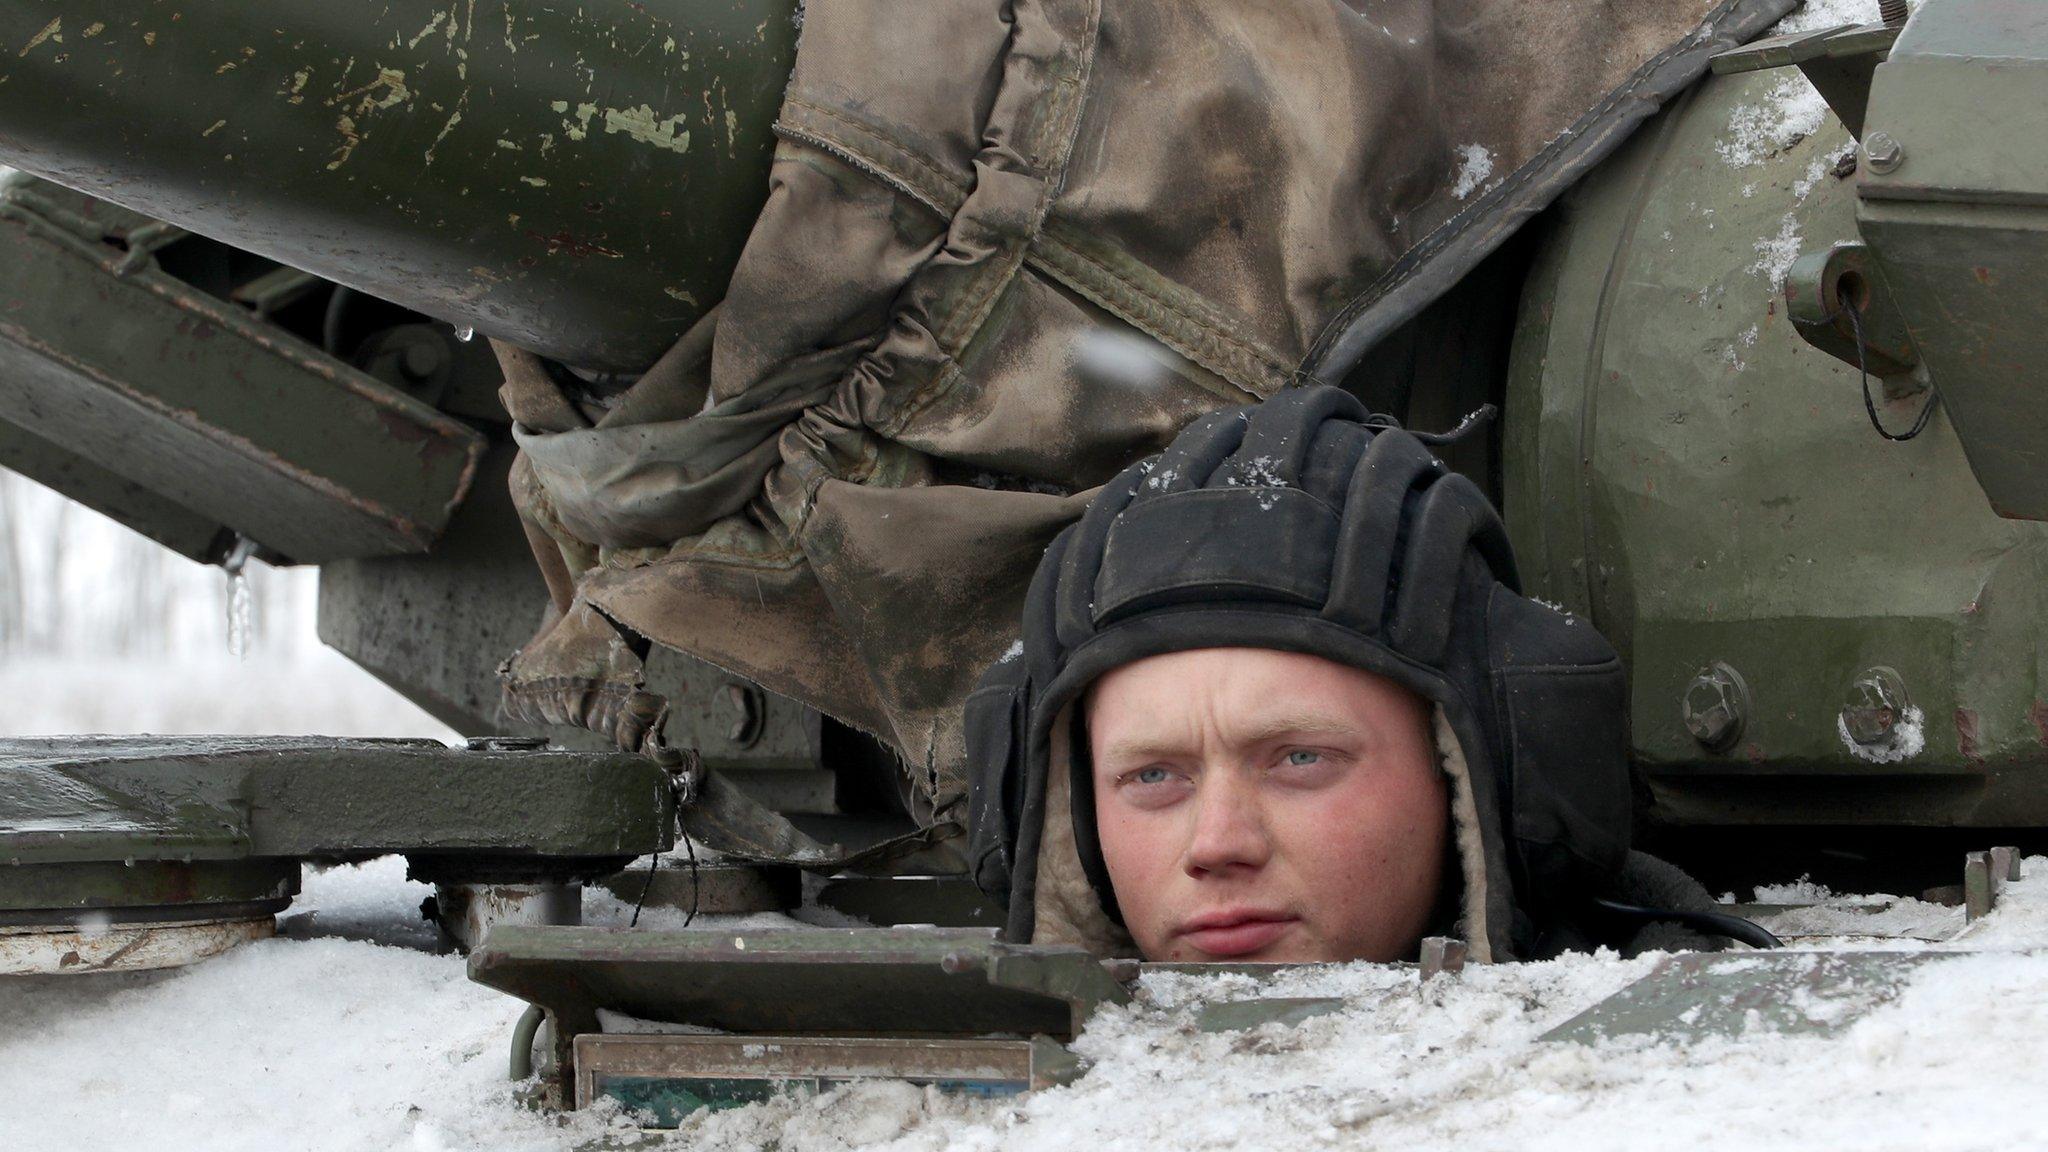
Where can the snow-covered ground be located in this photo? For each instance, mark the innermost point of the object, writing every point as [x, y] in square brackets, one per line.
[350, 1032]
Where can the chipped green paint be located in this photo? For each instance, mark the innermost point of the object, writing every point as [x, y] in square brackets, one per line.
[578, 128]
[51, 32]
[640, 123]
[439, 19]
[453, 120]
[402, 146]
[345, 125]
[395, 92]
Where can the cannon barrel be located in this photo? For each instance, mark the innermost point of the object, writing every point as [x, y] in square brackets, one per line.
[576, 179]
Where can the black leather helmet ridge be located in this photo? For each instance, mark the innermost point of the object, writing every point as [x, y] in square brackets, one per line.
[1302, 524]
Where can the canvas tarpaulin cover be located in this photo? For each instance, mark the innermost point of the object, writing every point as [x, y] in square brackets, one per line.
[1009, 247]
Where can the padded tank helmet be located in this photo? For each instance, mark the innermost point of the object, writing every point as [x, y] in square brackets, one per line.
[1304, 524]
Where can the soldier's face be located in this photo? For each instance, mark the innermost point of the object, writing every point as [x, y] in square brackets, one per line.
[1261, 805]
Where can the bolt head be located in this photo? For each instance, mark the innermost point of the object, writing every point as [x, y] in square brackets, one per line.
[1875, 701]
[1882, 153]
[1714, 707]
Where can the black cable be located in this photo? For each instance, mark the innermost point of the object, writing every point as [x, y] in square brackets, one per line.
[653, 862]
[1713, 923]
[1863, 372]
[1474, 420]
[694, 886]
[330, 322]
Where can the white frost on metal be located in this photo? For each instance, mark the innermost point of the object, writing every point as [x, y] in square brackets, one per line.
[1777, 253]
[1909, 738]
[1789, 112]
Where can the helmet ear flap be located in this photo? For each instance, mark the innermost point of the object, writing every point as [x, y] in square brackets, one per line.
[1282, 431]
[997, 720]
[1453, 517]
[1374, 504]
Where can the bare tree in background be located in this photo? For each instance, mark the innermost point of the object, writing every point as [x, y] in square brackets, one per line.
[47, 623]
[12, 578]
[142, 615]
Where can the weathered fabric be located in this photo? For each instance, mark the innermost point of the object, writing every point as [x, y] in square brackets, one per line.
[1011, 246]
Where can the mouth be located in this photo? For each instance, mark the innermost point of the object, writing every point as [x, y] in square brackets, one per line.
[1235, 931]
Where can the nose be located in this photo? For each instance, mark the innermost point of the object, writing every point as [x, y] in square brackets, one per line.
[1229, 834]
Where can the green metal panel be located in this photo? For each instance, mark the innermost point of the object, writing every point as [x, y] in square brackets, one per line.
[577, 179]
[1692, 996]
[1965, 96]
[800, 981]
[664, 1078]
[1688, 473]
[1244, 1015]
[155, 889]
[106, 357]
[1958, 221]
[95, 799]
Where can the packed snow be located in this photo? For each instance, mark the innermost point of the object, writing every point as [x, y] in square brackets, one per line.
[352, 1030]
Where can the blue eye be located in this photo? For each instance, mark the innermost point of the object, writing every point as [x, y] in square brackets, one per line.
[1302, 758]
[1150, 775]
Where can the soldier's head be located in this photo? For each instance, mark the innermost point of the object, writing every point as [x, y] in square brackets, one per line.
[1278, 697]
[1267, 805]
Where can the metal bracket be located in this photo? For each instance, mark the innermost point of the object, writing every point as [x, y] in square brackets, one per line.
[1984, 873]
[1441, 956]
[1818, 289]
[1839, 62]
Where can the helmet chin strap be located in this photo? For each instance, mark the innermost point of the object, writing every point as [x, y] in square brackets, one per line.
[1474, 420]
[1712, 923]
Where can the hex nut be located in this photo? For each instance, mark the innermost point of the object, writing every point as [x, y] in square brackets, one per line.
[1882, 153]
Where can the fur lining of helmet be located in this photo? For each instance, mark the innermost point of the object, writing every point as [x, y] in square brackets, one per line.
[1465, 825]
[1066, 911]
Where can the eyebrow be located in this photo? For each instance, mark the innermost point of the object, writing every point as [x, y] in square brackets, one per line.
[1265, 731]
